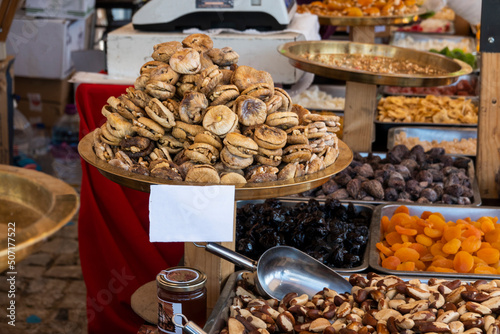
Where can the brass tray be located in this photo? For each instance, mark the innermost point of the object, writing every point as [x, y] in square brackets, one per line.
[294, 50]
[247, 191]
[33, 206]
[371, 20]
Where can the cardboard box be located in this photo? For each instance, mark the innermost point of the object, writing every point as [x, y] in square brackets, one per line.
[128, 49]
[6, 109]
[43, 47]
[48, 90]
[42, 100]
[68, 9]
[41, 112]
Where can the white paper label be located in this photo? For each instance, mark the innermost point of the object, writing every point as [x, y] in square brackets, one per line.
[35, 102]
[191, 213]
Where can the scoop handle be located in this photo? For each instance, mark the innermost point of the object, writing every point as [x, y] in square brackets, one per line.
[230, 255]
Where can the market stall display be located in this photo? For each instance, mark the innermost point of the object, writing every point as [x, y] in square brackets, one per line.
[467, 85]
[427, 42]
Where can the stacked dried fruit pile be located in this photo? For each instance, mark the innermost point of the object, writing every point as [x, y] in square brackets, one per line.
[375, 304]
[431, 243]
[224, 123]
[356, 8]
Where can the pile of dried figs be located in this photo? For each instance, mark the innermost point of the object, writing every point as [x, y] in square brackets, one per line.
[333, 233]
[195, 115]
[403, 175]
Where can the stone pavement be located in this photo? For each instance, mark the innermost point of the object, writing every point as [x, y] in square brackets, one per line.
[50, 292]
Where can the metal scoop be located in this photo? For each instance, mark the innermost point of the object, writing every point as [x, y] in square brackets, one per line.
[284, 269]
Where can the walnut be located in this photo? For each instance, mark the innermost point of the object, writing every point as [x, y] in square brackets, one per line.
[397, 154]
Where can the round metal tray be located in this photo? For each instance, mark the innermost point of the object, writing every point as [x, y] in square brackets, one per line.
[33, 206]
[295, 50]
[370, 20]
[247, 191]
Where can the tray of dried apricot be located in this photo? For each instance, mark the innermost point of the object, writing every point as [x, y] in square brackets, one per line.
[437, 240]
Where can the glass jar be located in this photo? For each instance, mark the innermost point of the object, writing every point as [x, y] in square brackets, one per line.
[181, 290]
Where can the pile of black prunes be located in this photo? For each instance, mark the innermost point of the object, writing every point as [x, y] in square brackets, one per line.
[331, 232]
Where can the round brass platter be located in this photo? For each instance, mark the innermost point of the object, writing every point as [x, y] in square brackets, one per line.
[33, 206]
[370, 20]
[295, 50]
[246, 191]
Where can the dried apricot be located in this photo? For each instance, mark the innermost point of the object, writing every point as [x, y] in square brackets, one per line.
[452, 246]
[407, 238]
[393, 238]
[385, 223]
[353, 11]
[463, 262]
[486, 224]
[492, 236]
[485, 270]
[452, 232]
[384, 249]
[402, 209]
[441, 261]
[437, 249]
[432, 232]
[421, 249]
[488, 255]
[471, 244]
[391, 262]
[420, 265]
[407, 254]
[406, 266]
[405, 231]
[424, 240]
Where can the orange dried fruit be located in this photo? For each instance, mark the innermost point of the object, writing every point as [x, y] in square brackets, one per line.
[485, 270]
[437, 249]
[406, 266]
[441, 261]
[433, 233]
[384, 249]
[463, 262]
[489, 255]
[421, 249]
[471, 244]
[406, 254]
[391, 262]
[452, 232]
[385, 223]
[424, 240]
[405, 231]
[393, 238]
[452, 246]
[487, 224]
[353, 11]
[492, 236]
[402, 209]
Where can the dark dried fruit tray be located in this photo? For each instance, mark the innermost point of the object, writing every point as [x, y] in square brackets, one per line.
[476, 199]
[450, 213]
[359, 208]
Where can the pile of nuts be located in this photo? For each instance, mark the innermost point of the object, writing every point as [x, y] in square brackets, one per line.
[194, 115]
[356, 8]
[375, 304]
[404, 175]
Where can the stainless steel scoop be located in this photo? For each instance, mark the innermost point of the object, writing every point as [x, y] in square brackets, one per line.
[284, 269]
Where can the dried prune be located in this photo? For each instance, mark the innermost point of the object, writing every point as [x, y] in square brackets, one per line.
[333, 233]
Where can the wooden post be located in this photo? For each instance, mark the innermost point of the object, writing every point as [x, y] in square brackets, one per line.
[488, 132]
[360, 102]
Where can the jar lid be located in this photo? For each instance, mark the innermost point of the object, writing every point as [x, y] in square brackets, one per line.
[181, 279]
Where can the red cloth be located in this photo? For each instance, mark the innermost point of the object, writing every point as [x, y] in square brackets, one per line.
[113, 232]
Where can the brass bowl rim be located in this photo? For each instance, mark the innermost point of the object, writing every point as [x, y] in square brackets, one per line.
[284, 49]
[65, 204]
[243, 191]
